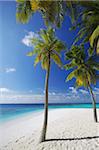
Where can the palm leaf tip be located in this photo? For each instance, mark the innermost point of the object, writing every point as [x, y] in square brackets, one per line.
[44, 64]
[37, 60]
[70, 76]
[94, 35]
[29, 54]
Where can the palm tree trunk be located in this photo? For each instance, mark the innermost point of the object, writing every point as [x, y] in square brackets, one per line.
[43, 134]
[94, 104]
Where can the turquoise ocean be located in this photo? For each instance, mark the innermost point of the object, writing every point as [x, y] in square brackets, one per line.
[13, 111]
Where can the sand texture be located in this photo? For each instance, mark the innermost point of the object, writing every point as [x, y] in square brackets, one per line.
[68, 129]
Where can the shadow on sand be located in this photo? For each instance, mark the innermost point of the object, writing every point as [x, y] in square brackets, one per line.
[72, 139]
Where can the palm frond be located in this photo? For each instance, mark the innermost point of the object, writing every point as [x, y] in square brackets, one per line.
[71, 75]
[23, 11]
[84, 69]
[56, 59]
[46, 44]
[44, 63]
[94, 35]
[59, 46]
[37, 59]
[70, 65]
[34, 52]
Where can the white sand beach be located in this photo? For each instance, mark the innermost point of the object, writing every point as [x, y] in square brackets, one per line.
[68, 129]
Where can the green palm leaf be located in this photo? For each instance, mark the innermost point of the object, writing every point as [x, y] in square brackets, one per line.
[84, 68]
[37, 60]
[94, 35]
[59, 46]
[47, 44]
[71, 75]
[69, 65]
[56, 59]
[44, 63]
[23, 11]
[32, 53]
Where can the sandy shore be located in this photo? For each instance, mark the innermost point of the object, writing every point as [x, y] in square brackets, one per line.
[68, 129]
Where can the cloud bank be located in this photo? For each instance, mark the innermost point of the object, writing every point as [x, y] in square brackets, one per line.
[72, 95]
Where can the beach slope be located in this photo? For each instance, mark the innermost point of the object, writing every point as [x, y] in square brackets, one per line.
[68, 129]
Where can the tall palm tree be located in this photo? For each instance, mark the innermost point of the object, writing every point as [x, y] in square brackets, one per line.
[47, 47]
[83, 70]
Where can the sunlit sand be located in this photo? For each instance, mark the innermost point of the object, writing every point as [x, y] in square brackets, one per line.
[68, 129]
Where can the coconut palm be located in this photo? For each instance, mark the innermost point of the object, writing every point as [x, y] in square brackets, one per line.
[46, 47]
[83, 70]
[52, 11]
[89, 24]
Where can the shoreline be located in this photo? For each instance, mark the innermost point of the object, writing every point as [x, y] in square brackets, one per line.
[58, 106]
[21, 116]
[34, 113]
[64, 125]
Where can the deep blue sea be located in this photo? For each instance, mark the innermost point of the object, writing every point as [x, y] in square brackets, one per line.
[12, 111]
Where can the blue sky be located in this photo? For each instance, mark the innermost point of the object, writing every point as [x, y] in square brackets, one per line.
[20, 82]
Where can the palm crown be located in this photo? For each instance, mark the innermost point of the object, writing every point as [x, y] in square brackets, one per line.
[52, 11]
[89, 24]
[46, 45]
[84, 70]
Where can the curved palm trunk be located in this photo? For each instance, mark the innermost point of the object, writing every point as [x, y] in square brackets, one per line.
[94, 104]
[43, 134]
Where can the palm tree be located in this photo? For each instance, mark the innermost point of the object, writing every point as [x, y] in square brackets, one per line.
[83, 70]
[89, 24]
[47, 47]
[52, 11]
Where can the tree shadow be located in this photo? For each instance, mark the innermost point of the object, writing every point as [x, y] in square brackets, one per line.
[73, 139]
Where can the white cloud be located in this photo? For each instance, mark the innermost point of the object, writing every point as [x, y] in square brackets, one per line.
[7, 70]
[96, 91]
[50, 93]
[73, 90]
[4, 90]
[27, 39]
[53, 93]
[83, 91]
